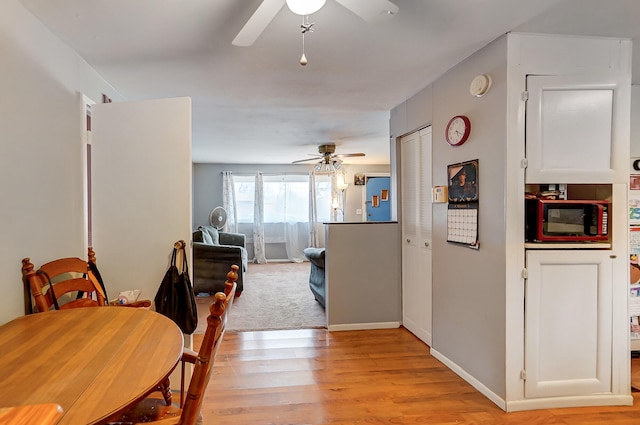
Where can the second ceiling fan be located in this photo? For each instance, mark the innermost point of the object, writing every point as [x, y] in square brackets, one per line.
[370, 10]
[328, 160]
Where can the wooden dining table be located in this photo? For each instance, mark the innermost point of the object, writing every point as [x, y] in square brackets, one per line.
[94, 362]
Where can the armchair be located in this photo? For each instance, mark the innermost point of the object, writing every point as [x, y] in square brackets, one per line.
[214, 253]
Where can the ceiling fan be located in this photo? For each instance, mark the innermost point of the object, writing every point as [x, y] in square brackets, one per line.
[328, 160]
[370, 10]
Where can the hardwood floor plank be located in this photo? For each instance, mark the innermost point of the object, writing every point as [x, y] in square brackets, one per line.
[381, 377]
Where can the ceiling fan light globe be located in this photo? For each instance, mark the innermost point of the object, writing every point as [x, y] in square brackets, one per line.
[305, 7]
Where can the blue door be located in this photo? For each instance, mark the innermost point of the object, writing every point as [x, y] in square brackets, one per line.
[378, 199]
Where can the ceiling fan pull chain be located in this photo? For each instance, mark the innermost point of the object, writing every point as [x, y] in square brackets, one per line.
[305, 27]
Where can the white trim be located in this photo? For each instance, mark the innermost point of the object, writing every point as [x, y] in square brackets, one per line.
[85, 109]
[558, 402]
[499, 401]
[363, 326]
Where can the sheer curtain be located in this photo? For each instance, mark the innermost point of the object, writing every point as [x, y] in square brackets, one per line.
[229, 202]
[258, 221]
[313, 211]
[296, 225]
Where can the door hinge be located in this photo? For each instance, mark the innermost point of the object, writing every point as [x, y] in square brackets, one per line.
[524, 274]
[525, 96]
[523, 375]
[524, 163]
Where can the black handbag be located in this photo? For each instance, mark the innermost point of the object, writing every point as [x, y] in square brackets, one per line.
[175, 297]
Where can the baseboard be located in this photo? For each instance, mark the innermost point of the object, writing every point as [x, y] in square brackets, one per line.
[559, 402]
[363, 326]
[495, 398]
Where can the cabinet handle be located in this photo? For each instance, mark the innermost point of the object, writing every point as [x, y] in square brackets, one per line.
[426, 244]
[408, 240]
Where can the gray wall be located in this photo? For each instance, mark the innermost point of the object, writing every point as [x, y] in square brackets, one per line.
[207, 184]
[468, 285]
[41, 171]
[363, 272]
[207, 191]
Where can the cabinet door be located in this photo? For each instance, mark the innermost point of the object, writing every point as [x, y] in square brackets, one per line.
[416, 231]
[568, 319]
[572, 131]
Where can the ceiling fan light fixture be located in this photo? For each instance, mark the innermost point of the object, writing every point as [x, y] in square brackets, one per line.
[305, 7]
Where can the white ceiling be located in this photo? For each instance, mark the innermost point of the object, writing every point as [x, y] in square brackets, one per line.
[258, 105]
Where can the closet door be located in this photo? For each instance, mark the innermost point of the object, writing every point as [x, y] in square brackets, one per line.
[416, 233]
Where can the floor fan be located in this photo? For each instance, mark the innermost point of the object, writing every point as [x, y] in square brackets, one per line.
[218, 217]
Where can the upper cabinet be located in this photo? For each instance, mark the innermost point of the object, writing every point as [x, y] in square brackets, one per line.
[573, 129]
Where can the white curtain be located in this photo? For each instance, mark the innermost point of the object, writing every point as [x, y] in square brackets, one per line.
[258, 222]
[313, 211]
[229, 202]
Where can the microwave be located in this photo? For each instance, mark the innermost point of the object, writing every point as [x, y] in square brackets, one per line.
[560, 220]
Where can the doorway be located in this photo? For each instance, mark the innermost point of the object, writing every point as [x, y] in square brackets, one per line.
[377, 198]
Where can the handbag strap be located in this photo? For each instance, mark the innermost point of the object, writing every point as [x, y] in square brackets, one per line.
[173, 257]
[185, 266]
[53, 293]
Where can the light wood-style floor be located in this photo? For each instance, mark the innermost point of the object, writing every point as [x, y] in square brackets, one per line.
[357, 378]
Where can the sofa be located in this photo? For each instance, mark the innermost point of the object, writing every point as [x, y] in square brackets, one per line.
[214, 252]
[316, 276]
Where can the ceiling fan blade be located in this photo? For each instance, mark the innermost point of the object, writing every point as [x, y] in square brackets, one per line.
[372, 11]
[317, 158]
[346, 155]
[258, 22]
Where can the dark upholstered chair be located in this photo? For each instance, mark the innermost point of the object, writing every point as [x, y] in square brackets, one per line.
[316, 277]
[214, 252]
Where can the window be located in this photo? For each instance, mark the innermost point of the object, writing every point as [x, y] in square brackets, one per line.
[286, 198]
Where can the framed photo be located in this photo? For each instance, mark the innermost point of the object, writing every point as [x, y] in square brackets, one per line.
[463, 182]
[358, 179]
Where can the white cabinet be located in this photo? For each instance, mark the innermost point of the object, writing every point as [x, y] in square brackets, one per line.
[416, 182]
[573, 130]
[568, 322]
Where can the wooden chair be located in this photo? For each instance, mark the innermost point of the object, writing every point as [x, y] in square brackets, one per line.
[56, 280]
[149, 410]
[71, 279]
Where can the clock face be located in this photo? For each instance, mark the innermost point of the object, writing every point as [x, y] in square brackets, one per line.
[458, 130]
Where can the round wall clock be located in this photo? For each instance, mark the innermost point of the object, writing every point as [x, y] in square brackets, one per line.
[458, 130]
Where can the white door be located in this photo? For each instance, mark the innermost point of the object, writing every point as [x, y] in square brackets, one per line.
[141, 189]
[568, 319]
[416, 233]
[574, 131]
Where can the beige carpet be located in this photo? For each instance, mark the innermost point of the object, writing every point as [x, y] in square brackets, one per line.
[276, 296]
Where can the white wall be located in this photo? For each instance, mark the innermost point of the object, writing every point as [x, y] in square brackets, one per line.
[41, 149]
[635, 121]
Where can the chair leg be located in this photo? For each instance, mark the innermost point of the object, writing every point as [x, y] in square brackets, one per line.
[165, 389]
